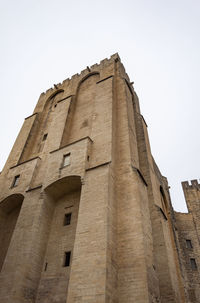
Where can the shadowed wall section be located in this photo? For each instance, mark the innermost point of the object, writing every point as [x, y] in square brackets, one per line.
[9, 212]
[53, 285]
[34, 143]
[78, 124]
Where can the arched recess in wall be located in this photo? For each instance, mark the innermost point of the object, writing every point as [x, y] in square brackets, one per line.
[62, 200]
[53, 98]
[163, 201]
[168, 268]
[9, 212]
[79, 120]
[35, 140]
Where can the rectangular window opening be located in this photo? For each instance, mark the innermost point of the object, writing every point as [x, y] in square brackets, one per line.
[15, 181]
[189, 244]
[44, 137]
[67, 219]
[193, 264]
[67, 258]
[66, 160]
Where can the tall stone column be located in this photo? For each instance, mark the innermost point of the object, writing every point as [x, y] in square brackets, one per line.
[22, 267]
[88, 278]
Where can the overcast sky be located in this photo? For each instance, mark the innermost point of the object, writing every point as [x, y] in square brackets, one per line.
[44, 42]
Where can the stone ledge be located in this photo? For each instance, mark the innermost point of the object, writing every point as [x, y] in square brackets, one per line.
[65, 98]
[111, 76]
[53, 151]
[33, 188]
[140, 174]
[30, 116]
[25, 162]
[102, 164]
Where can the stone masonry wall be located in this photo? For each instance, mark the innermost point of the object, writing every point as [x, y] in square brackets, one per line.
[188, 234]
[85, 151]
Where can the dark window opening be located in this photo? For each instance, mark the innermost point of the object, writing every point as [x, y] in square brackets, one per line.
[44, 137]
[193, 264]
[189, 243]
[15, 181]
[66, 160]
[88, 158]
[67, 219]
[67, 258]
[45, 267]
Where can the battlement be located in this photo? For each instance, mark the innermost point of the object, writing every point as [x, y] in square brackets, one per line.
[194, 184]
[95, 67]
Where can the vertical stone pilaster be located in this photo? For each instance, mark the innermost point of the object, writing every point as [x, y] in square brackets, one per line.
[89, 264]
[21, 271]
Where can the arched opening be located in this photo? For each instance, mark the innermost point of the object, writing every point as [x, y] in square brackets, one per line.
[39, 132]
[79, 120]
[54, 98]
[165, 251]
[9, 213]
[63, 197]
[63, 186]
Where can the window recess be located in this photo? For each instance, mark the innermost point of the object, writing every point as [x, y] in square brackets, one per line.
[44, 137]
[189, 244]
[66, 160]
[15, 181]
[193, 264]
[67, 258]
[67, 219]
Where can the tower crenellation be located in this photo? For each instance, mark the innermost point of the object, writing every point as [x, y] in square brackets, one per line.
[194, 184]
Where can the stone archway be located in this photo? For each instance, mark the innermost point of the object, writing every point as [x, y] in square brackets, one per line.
[63, 197]
[9, 212]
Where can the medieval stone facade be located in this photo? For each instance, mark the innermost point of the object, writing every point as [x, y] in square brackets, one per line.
[85, 214]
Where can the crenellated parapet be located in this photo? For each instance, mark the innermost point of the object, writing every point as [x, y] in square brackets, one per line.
[70, 85]
[191, 191]
[77, 77]
[193, 185]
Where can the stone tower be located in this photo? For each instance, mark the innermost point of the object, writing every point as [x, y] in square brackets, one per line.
[187, 227]
[85, 214]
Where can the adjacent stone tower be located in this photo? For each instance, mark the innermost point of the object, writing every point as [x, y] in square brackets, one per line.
[85, 214]
[187, 228]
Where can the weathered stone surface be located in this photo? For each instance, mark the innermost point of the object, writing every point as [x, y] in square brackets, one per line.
[126, 242]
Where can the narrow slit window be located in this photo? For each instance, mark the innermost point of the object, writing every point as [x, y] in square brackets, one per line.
[67, 258]
[189, 243]
[67, 219]
[16, 181]
[44, 137]
[45, 267]
[193, 264]
[66, 160]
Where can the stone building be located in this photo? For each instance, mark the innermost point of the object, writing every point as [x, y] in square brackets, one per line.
[85, 214]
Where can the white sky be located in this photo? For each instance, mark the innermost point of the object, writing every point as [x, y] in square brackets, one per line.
[44, 42]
